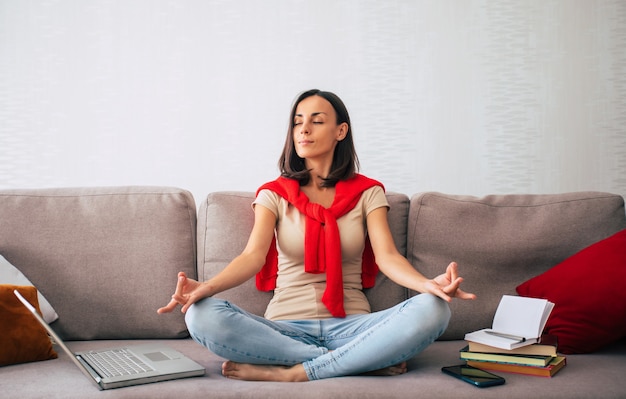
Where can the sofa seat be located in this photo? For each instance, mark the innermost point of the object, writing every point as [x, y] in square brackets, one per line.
[598, 375]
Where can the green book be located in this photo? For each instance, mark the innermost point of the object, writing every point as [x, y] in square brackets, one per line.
[529, 360]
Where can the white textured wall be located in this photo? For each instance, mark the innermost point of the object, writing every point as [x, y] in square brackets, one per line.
[459, 96]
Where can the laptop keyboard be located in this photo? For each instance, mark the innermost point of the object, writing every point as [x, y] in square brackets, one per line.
[117, 362]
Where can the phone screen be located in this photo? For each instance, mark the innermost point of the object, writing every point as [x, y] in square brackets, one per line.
[473, 375]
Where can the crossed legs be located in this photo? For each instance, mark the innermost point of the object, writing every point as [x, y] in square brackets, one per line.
[301, 350]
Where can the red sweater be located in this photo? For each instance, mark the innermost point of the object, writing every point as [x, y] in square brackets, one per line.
[322, 247]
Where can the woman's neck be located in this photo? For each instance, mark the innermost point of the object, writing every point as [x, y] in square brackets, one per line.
[316, 182]
[318, 171]
[324, 196]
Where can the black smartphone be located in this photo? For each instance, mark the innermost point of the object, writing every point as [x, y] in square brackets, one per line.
[473, 375]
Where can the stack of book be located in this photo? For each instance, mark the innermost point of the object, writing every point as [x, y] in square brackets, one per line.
[515, 342]
[539, 359]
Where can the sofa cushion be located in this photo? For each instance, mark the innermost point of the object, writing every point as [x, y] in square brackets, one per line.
[590, 304]
[22, 338]
[500, 241]
[10, 274]
[106, 258]
[225, 220]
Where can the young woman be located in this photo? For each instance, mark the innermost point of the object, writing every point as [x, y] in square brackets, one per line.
[327, 226]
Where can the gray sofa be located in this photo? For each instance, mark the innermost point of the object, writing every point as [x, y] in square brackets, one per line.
[107, 258]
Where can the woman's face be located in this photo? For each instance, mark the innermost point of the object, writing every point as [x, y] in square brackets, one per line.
[315, 130]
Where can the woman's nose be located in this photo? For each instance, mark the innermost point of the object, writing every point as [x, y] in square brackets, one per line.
[305, 128]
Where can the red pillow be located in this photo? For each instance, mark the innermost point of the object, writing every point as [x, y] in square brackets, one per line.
[589, 296]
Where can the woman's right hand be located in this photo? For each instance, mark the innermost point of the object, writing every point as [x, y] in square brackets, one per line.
[188, 291]
[241, 269]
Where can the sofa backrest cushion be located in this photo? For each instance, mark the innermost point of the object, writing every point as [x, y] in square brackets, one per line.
[105, 258]
[225, 221]
[500, 241]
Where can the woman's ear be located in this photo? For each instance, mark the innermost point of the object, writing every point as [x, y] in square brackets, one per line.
[342, 131]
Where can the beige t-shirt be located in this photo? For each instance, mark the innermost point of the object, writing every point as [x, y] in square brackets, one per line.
[298, 294]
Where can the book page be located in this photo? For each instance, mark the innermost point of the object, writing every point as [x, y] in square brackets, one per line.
[521, 316]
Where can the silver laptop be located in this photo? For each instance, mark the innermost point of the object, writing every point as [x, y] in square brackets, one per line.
[131, 365]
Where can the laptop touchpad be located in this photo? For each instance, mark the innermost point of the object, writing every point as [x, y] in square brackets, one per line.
[156, 356]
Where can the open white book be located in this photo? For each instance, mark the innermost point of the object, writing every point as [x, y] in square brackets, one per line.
[519, 321]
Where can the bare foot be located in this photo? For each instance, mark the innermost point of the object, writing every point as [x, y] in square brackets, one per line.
[389, 371]
[255, 372]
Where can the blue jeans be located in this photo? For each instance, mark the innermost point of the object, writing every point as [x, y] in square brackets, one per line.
[326, 348]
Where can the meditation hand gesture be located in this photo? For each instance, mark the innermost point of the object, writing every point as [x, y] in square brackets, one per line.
[448, 284]
[188, 291]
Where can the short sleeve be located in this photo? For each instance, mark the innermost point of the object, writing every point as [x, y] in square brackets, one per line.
[374, 198]
[269, 200]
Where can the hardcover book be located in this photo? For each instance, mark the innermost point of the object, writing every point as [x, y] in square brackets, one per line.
[547, 346]
[527, 360]
[547, 371]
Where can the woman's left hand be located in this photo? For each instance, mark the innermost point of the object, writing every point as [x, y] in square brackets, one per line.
[447, 285]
